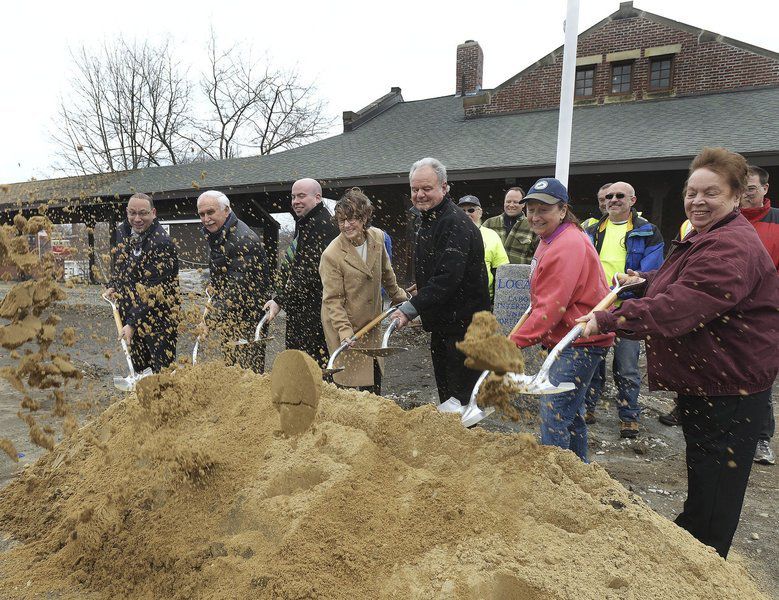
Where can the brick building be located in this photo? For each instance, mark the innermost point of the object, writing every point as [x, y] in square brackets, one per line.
[650, 93]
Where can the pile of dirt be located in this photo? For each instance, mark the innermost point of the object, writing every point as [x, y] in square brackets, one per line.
[190, 489]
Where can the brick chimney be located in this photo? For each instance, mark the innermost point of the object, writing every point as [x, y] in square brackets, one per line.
[470, 68]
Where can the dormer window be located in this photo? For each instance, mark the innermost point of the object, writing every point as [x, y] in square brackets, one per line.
[621, 78]
[660, 70]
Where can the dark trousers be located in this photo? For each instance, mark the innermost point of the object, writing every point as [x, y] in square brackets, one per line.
[721, 433]
[452, 377]
[157, 350]
[308, 337]
[248, 356]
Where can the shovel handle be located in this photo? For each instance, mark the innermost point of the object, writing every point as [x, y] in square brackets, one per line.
[117, 320]
[372, 323]
[521, 321]
[610, 298]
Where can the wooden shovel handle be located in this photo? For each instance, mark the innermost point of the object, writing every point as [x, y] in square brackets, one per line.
[519, 324]
[606, 302]
[117, 320]
[371, 324]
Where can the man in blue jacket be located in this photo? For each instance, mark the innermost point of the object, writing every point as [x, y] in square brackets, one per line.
[624, 240]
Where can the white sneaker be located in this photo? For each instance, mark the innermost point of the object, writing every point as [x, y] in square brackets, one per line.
[764, 455]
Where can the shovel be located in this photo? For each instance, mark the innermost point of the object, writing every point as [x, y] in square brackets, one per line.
[540, 384]
[257, 334]
[385, 349]
[125, 384]
[471, 413]
[197, 341]
[330, 369]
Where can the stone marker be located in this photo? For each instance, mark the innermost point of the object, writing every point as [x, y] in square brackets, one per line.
[512, 297]
[512, 294]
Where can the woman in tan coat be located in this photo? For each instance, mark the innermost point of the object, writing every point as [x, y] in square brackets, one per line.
[353, 268]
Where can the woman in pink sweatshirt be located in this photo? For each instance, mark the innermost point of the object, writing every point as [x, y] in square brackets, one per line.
[566, 282]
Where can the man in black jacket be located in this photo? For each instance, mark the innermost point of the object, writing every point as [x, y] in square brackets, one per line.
[239, 279]
[300, 288]
[144, 281]
[451, 278]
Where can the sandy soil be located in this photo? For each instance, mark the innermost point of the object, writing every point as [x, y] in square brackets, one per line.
[651, 466]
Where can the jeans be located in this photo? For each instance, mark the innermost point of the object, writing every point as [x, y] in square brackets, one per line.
[626, 376]
[769, 423]
[562, 415]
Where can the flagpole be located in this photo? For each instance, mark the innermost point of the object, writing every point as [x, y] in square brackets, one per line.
[567, 83]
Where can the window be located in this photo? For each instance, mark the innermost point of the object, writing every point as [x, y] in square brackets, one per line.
[585, 82]
[620, 78]
[660, 73]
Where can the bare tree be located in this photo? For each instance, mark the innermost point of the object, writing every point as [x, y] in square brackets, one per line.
[255, 107]
[128, 108]
[131, 106]
[289, 114]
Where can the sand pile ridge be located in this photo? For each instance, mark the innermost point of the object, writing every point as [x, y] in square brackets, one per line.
[189, 488]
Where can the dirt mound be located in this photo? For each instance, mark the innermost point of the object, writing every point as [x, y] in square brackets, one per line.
[190, 489]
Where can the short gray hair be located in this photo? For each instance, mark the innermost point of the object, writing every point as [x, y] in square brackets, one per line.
[223, 200]
[433, 163]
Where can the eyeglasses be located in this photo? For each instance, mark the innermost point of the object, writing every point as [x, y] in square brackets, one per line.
[141, 213]
[619, 196]
[753, 188]
[472, 209]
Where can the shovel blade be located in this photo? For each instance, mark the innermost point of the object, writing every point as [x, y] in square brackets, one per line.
[533, 385]
[382, 352]
[124, 384]
[473, 415]
[451, 406]
[127, 384]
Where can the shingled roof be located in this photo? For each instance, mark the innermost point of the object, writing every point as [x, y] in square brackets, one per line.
[649, 135]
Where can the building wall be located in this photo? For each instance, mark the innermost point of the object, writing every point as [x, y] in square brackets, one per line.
[702, 63]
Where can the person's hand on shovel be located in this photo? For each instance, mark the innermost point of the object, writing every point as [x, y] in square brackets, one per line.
[590, 325]
[127, 333]
[272, 308]
[630, 278]
[401, 318]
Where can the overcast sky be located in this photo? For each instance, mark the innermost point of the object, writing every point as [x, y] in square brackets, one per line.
[355, 50]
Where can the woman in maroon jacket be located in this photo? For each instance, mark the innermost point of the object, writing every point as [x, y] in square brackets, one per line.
[710, 320]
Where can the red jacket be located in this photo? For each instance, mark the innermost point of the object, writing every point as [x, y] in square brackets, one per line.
[766, 222]
[566, 282]
[709, 314]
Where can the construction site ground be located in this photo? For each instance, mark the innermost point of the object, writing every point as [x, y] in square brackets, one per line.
[651, 465]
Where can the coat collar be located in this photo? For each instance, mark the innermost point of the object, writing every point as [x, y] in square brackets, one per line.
[755, 214]
[350, 252]
[150, 230]
[222, 233]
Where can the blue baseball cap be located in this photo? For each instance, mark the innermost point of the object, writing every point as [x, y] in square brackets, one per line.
[548, 190]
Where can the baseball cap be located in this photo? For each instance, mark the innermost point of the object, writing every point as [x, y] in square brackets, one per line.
[468, 200]
[548, 190]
